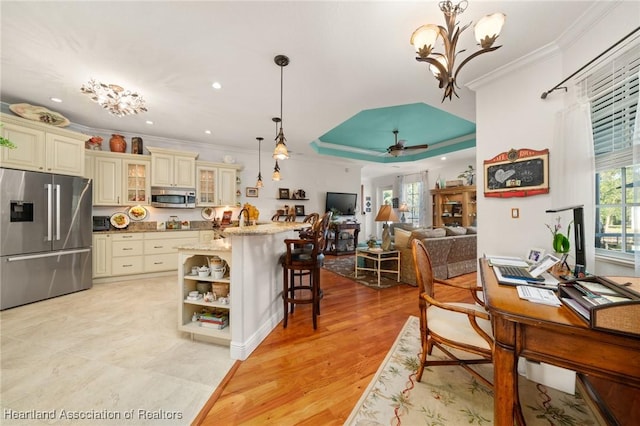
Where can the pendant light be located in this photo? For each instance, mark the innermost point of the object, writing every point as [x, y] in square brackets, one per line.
[259, 183]
[276, 170]
[281, 152]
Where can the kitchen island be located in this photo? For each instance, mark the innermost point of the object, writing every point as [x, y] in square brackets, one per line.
[254, 306]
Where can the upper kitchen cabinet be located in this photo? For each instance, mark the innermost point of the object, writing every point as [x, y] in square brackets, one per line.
[119, 179]
[42, 147]
[171, 168]
[215, 184]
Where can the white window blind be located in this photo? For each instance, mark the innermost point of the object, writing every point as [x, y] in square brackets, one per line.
[613, 93]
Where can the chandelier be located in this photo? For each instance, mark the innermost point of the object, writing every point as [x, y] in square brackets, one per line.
[259, 183]
[114, 98]
[442, 65]
[281, 152]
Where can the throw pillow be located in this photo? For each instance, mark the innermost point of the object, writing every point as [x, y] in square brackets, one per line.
[455, 230]
[472, 230]
[402, 238]
[427, 233]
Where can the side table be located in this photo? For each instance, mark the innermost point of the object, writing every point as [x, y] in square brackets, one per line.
[377, 256]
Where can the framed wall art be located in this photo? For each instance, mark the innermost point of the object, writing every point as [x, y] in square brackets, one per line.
[283, 193]
[299, 210]
[251, 191]
[517, 173]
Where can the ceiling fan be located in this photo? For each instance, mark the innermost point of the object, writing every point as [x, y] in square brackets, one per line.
[398, 148]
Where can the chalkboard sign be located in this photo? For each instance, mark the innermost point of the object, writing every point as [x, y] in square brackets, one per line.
[517, 173]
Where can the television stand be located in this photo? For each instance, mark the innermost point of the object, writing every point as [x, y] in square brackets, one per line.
[343, 238]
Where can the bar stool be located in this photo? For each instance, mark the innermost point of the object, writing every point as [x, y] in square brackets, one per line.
[301, 277]
[302, 262]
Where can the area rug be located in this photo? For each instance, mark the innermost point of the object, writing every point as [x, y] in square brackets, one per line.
[345, 266]
[448, 395]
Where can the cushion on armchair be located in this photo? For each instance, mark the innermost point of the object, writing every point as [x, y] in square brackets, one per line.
[401, 238]
[455, 230]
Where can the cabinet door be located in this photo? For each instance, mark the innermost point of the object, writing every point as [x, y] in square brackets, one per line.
[206, 191]
[184, 172]
[101, 253]
[64, 155]
[30, 148]
[136, 181]
[107, 187]
[227, 186]
[162, 170]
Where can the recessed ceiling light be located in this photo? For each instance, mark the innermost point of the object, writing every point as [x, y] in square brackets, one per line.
[58, 100]
[208, 132]
[216, 85]
[149, 122]
[443, 158]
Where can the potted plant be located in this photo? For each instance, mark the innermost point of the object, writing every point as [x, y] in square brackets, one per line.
[6, 142]
[372, 241]
[468, 175]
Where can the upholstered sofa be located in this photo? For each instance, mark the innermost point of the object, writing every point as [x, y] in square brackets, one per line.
[453, 250]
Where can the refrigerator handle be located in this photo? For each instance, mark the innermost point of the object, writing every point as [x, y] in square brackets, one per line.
[48, 188]
[57, 212]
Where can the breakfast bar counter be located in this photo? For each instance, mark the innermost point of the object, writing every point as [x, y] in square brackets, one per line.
[254, 304]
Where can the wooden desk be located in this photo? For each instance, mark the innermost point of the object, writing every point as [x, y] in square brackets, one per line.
[554, 335]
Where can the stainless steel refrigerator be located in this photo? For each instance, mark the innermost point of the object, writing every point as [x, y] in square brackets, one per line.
[45, 236]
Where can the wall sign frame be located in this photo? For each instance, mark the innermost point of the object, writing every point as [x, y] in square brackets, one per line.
[517, 173]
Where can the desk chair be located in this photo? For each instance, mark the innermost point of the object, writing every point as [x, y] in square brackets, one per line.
[463, 326]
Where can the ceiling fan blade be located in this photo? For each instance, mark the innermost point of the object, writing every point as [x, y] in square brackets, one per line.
[423, 146]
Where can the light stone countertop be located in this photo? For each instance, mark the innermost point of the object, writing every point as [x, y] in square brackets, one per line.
[265, 229]
[213, 245]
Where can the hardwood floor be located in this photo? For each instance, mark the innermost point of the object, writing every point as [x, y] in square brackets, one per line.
[301, 376]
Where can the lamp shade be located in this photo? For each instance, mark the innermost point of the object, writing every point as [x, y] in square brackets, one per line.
[425, 37]
[403, 207]
[488, 29]
[386, 214]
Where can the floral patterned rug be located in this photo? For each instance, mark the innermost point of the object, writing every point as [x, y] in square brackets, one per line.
[345, 266]
[448, 395]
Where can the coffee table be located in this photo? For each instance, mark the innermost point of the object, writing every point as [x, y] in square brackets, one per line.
[377, 256]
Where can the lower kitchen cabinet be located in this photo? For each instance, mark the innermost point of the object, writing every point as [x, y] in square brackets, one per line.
[131, 253]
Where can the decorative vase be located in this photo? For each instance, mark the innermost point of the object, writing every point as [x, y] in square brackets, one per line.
[136, 145]
[117, 143]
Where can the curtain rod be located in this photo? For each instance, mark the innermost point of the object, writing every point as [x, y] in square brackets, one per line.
[559, 85]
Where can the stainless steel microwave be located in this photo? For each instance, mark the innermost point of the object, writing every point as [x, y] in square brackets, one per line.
[176, 198]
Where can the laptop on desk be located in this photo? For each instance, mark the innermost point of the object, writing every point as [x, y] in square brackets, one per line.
[534, 275]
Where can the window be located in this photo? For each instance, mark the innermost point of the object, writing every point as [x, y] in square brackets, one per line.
[412, 192]
[613, 93]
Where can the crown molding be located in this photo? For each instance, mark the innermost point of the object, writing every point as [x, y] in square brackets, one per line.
[573, 33]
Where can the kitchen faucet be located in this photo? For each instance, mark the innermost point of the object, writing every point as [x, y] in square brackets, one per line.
[240, 218]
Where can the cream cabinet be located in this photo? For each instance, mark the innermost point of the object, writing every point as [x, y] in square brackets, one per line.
[42, 148]
[101, 255]
[160, 252]
[119, 179]
[131, 253]
[171, 168]
[127, 254]
[215, 184]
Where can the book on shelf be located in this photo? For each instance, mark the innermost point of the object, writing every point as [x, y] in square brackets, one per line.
[603, 304]
[214, 324]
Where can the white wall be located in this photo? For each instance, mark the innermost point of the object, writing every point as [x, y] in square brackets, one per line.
[315, 176]
[510, 114]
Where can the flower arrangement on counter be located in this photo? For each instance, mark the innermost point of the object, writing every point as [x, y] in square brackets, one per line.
[252, 212]
[560, 241]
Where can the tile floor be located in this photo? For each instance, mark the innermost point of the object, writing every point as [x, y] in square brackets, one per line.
[112, 353]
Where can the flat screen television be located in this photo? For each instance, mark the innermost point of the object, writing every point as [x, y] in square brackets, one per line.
[344, 203]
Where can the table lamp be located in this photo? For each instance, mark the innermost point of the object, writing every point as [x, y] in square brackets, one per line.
[403, 208]
[386, 214]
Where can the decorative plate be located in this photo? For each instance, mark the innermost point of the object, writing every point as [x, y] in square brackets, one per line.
[119, 220]
[137, 213]
[208, 213]
[41, 114]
